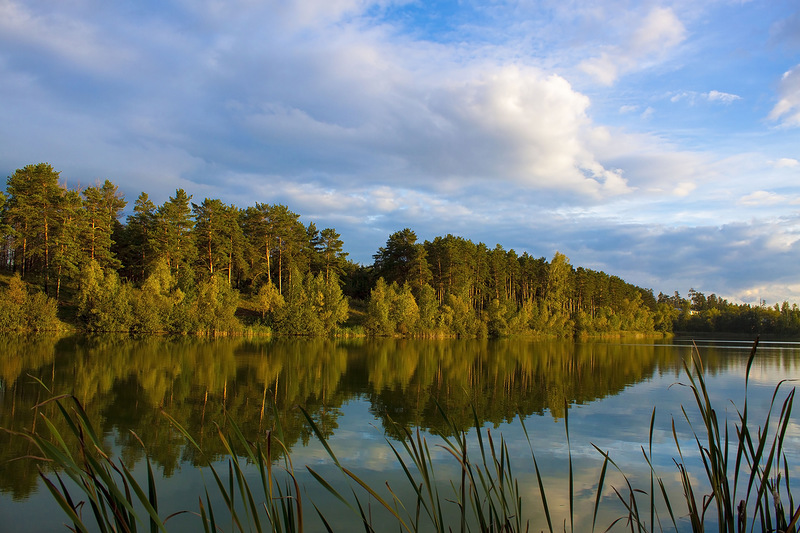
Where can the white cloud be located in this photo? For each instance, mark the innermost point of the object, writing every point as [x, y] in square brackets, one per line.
[786, 162]
[787, 110]
[684, 188]
[526, 126]
[657, 34]
[713, 96]
[660, 31]
[725, 98]
[762, 198]
[684, 95]
[604, 68]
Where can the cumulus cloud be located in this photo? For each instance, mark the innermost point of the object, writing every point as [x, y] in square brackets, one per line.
[656, 34]
[787, 110]
[520, 123]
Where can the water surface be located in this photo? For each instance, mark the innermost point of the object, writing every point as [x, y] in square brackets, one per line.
[357, 391]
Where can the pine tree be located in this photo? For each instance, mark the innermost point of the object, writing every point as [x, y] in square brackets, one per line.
[31, 210]
[172, 239]
[102, 207]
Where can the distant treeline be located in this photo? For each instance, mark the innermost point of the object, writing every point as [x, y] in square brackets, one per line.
[210, 267]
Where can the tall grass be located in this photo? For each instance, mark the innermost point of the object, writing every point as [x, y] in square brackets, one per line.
[751, 460]
[90, 486]
[743, 469]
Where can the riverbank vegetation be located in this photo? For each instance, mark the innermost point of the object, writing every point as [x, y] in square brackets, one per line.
[213, 268]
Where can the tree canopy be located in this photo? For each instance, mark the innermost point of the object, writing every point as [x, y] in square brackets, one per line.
[212, 267]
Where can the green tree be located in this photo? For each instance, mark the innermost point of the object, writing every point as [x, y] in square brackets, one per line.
[104, 302]
[219, 237]
[327, 300]
[172, 238]
[402, 260]
[301, 314]
[155, 304]
[378, 321]
[428, 306]
[31, 211]
[291, 241]
[26, 311]
[215, 306]
[403, 310]
[557, 300]
[459, 318]
[277, 241]
[138, 254]
[268, 300]
[102, 207]
[67, 253]
[333, 257]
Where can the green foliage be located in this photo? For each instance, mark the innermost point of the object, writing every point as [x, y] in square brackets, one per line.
[333, 307]
[31, 215]
[171, 239]
[219, 237]
[27, 311]
[268, 300]
[313, 306]
[458, 317]
[40, 313]
[403, 309]
[215, 306]
[299, 316]
[428, 308]
[155, 304]
[104, 301]
[378, 321]
[402, 260]
[136, 249]
[101, 208]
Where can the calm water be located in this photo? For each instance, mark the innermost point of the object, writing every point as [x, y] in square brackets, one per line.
[354, 389]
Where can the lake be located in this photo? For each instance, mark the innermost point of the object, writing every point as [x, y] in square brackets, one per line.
[357, 390]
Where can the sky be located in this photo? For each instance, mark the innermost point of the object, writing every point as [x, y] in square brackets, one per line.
[656, 141]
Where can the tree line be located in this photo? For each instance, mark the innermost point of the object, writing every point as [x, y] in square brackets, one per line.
[211, 267]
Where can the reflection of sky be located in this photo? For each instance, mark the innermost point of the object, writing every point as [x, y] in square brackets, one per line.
[617, 424]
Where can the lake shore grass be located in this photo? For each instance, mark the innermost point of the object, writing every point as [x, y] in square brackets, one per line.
[743, 484]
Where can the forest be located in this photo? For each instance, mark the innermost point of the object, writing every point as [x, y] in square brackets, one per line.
[70, 261]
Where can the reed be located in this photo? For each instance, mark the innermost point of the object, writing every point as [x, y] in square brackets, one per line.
[745, 468]
[90, 478]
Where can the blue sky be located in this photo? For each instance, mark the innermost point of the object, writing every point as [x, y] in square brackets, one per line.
[656, 141]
